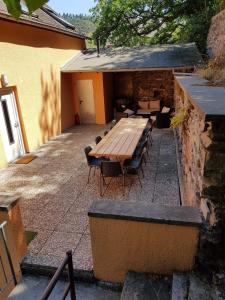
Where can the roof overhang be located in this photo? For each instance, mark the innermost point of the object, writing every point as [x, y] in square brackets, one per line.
[43, 26]
[158, 57]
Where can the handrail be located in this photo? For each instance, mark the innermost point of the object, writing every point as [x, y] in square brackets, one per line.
[70, 287]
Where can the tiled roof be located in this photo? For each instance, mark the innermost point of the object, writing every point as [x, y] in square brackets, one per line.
[137, 58]
[44, 17]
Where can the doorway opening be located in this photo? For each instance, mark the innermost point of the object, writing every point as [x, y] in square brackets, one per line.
[10, 127]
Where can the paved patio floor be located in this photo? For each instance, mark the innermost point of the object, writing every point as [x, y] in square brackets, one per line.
[55, 196]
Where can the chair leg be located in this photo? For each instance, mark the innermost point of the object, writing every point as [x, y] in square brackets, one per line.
[150, 138]
[89, 174]
[100, 182]
[139, 179]
[144, 158]
[123, 184]
[142, 171]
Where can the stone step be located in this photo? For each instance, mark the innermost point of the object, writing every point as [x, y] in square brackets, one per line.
[193, 286]
[143, 286]
[180, 286]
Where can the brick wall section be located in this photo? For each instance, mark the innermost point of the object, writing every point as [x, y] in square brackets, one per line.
[146, 85]
[216, 35]
[202, 146]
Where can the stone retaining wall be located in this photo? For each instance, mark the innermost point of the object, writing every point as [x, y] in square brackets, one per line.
[202, 152]
[216, 35]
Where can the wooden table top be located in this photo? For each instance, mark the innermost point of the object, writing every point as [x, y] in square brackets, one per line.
[121, 140]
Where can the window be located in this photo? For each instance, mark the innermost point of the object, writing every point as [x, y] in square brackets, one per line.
[7, 122]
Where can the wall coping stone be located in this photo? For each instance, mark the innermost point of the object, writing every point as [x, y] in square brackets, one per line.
[209, 100]
[146, 212]
[8, 201]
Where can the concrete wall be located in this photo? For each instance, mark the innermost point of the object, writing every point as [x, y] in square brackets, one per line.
[119, 246]
[31, 58]
[142, 237]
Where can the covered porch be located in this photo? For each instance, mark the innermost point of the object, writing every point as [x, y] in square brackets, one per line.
[93, 85]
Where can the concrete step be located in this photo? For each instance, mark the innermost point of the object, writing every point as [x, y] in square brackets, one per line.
[143, 286]
[194, 286]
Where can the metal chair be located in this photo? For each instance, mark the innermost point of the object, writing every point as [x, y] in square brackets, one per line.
[148, 134]
[132, 166]
[92, 161]
[110, 169]
[98, 139]
[142, 148]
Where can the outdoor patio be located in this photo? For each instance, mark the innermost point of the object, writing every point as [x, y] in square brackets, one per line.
[55, 196]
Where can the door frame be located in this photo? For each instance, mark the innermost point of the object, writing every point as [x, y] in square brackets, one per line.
[19, 114]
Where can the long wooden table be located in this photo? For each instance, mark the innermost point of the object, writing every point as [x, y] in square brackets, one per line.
[121, 140]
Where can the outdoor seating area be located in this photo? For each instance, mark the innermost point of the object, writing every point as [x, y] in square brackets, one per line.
[54, 201]
[122, 151]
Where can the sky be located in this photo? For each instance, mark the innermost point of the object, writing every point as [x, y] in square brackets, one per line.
[72, 6]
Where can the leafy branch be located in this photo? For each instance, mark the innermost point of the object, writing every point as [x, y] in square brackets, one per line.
[15, 9]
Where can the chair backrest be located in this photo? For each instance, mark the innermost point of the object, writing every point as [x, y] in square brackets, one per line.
[145, 131]
[98, 139]
[86, 151]
[111, 168]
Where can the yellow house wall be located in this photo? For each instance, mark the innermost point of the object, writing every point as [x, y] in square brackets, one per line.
[119, 246]
[97, 78]
[31, 58]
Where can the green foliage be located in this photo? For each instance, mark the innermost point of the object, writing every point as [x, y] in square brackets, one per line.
[179, 117]
[14, 7]
[32, 5]
[138, 22]
[83, 23]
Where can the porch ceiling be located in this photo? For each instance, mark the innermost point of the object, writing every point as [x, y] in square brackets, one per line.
[138, 58]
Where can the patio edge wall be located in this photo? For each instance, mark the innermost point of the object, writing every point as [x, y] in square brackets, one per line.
[135, 236]
[202, 151]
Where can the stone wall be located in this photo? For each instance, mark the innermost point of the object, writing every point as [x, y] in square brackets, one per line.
[191, 148]
[146, 85]
[216, 35]
[202, 152]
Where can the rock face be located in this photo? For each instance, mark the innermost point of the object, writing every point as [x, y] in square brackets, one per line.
[216, 35]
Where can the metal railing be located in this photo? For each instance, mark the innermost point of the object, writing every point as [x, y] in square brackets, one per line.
[70, 286]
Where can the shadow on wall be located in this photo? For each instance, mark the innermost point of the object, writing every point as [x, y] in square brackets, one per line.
[49, 118]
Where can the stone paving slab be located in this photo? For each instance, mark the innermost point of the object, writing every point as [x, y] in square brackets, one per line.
[32, 287]
[55, 196]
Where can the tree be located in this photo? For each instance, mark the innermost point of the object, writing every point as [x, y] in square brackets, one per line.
[14, 6]
[138, 22]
